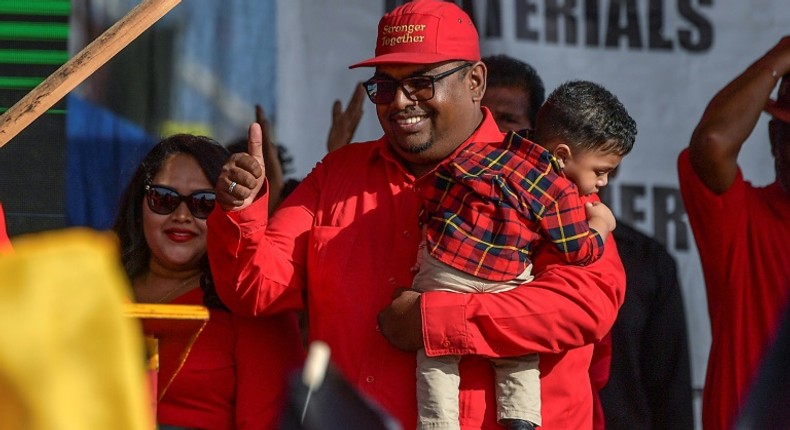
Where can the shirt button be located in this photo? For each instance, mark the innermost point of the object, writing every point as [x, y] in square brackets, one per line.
[446, 343]
[392, 281]
[369, 379]
[405, 233]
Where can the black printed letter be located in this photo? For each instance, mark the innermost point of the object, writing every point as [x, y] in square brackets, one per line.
[656, 39]
[524, 8]
[555, 12]
[629, 29]
[704, 27]
[669, 211]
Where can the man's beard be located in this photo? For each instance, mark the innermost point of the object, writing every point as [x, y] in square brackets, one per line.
[419, 148]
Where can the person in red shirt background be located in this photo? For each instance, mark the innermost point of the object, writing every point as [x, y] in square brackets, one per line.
[342, 245]
[742, 231]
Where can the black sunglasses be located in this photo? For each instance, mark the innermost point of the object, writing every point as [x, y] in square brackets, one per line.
[381, 91]
[164, 200]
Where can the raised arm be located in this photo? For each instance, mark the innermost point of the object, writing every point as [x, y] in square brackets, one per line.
[257, 263]
[731, 116]
[345, 122]
[600, 218]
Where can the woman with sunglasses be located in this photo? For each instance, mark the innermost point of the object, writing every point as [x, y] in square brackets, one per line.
[232, 377]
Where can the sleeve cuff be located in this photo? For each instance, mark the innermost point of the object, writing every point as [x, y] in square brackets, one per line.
[444, 324]
[256, 215]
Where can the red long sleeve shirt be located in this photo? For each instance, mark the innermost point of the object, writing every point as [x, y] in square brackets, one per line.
[348, 237]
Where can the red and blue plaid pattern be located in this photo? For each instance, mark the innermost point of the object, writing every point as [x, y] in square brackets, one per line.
[492, 204]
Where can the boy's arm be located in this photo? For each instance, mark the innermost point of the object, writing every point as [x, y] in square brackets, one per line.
[600, 218]
[564, 223]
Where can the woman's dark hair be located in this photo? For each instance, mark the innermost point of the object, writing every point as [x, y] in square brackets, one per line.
[135, 252]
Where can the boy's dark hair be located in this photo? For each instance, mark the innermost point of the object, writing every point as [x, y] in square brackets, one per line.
[586, 117]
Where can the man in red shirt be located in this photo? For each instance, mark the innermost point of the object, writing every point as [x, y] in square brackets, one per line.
[742, 231]
[342, 245]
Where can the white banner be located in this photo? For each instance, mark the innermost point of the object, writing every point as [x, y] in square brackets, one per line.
[664, 59]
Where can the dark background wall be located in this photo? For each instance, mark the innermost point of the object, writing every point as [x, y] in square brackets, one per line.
[33, 44]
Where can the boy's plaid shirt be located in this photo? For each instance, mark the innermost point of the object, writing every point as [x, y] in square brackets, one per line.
[492, 204]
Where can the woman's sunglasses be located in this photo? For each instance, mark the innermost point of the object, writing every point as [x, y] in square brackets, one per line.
[164, 200]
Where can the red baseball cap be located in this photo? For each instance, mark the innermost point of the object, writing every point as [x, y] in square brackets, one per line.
[780, 108]
[424, 32]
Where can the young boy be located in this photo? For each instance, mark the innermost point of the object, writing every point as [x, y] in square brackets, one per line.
[486, 215]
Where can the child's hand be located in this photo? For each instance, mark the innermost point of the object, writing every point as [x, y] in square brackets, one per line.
[600, 217]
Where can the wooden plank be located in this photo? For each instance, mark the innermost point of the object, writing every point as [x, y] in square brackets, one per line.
[82, 65]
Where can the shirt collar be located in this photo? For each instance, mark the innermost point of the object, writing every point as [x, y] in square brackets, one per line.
[487, 133]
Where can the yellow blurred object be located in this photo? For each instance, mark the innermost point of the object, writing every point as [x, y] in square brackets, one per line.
[69, 359]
